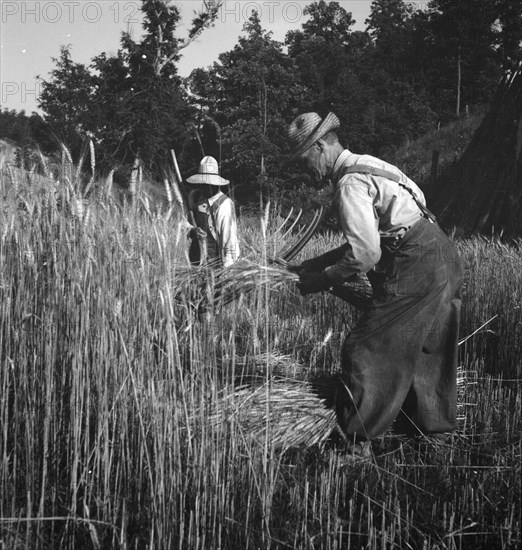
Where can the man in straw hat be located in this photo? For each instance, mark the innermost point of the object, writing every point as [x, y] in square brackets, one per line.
[399, 363]
[215, 217]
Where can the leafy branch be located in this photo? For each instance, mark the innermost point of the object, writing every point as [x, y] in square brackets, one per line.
[202, 20]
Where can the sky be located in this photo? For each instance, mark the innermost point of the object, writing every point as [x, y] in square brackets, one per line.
[31, 33]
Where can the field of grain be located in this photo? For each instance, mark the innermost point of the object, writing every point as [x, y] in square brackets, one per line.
[118, 424]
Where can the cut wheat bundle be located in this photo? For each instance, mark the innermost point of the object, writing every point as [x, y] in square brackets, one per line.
[289, 413]
[286, 413]
[220, 287]
[207, 286]
[246, 276]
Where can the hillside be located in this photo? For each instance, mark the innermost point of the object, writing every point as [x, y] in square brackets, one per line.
[415, 157]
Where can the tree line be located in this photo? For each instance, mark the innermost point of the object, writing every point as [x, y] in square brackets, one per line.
[408, 71]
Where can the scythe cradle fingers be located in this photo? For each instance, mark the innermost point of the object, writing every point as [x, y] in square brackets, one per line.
[280, 228]
[291, 228]
[283, 259]
[302, 242]
[304, 235]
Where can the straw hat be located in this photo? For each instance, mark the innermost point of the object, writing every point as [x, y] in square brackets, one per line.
[208, 173]
[306, 129]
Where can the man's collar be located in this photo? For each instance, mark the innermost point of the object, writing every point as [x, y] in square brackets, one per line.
[344, 159]
[214, 198]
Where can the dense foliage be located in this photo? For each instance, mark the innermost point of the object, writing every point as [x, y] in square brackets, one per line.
[133, 103]
[408, 72]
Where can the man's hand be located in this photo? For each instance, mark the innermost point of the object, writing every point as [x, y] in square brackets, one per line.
[197, 233]
[308, 266]
[294, 268]
[311, 282]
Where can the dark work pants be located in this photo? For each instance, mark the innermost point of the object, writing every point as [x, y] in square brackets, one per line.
[401, 359]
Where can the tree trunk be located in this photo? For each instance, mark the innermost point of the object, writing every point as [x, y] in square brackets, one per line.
[459, 83]
[434, 166]
[264, 118]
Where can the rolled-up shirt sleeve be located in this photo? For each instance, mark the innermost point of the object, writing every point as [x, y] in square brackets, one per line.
[360, 226]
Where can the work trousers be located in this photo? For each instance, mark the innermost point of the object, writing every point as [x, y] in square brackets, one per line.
[400, 362]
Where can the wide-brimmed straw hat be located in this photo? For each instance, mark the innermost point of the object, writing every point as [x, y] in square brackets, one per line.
[306, 129]
[208, 173]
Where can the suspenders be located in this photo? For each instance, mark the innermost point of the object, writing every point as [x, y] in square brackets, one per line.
[209, 220]
[373, 171]
[212, 211]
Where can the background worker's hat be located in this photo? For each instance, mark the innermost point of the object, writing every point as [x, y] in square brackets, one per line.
[306, 129]
[208, 173]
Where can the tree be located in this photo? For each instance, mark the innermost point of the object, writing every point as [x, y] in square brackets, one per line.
[25, 134]
[15, 127]
[508, 30]
[452, 53]
[395, 61]
[138, 108]
[350, 74]
[142, 106]
[466, 66]
[66, 98]
[391, 27]
[133, 103]
[323, 50]
[328, 20]
[249, 96]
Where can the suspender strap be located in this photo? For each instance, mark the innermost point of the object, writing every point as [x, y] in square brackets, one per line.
[214, 207]
[207, 220]
[373, 171]
[195, 196]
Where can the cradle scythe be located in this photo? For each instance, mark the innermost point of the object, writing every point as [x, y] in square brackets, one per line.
[177, 182]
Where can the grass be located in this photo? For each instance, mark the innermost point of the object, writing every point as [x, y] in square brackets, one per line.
[109, 388]
[415, 158]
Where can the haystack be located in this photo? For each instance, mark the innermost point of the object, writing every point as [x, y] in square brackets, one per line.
[482, 191]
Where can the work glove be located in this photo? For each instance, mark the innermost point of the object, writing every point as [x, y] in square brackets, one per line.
[313, 281]
[311, 265]
[294, 268]
[307, 265]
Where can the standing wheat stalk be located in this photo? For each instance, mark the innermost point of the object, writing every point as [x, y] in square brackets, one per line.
[168, 190]
[134, 179]
[93, 166]
[109, 180]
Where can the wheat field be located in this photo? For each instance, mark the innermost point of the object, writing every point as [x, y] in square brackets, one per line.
[119, 423]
